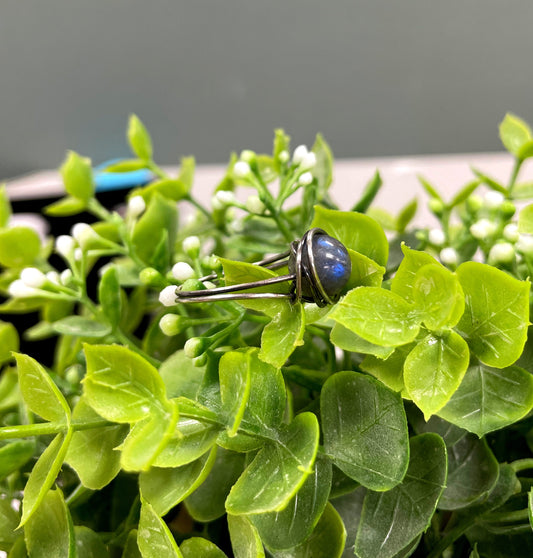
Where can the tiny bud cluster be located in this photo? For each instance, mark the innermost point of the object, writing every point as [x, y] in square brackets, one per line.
[483, 229]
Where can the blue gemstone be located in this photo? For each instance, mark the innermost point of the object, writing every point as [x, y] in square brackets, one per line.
[332, 264]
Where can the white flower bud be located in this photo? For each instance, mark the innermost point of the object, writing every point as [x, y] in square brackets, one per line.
[65, 245]
[136, 206]
[283, 156]
[483, 228]
[33, 277]
[493, 199]
[241, 169]
[436, 237]
[65, 277]
[191, 246]
[225, 197]
[167, 297]
[194, 347]
[169, 324]
[510, 232]
[449, 256]
[525, 244]
[299, 153]
[502, 252]
[306, 178]
[254, 204]
[78, 254]
[53, 277]
[81, 231]
[247, 155]
[182, 271]
[308, 161]
[19, 289]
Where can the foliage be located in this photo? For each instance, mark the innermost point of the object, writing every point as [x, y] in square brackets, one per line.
[396, 422]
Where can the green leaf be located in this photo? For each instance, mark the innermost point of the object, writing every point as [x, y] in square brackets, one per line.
[131, 548]
[181, 376]
[5, 207]
[282, 335]
[472, 473]
[326, 541]
[526, 151]
[77, 176]
[369, 193]
[9, 520]
[120, 385]
[278, 470]
[323, 170]
[514, 133]
[377, 315]
[186, 174]
[263, 407]
[14, 456]
[9, 390]
[496, 317]
[522, 191]
[355, 230]
[78, 326]
[39, 391]
[160, 217]
[406, 215]
[44, 474]
[291, 526]
[434, 369]
[170, 188]
[91, 453]
[245, 539]
[349, 341]
[490, 398]
[109, 295]
[139, 138]
[19, 246]
[196, 547]
[65, 207]
[154, 537]
[207, 502]
[490, 182]
[50, 531]
[9, 341]
[365, 272]
[525, 220]
[166, 488]
[404, 278]
[464, 193]
[390, 370]
[391, 520]
[429, 188]
[236, 273]
[147, 438]
[439, 296]
[365, 429]
[89, 544]
[385, 219]
[126, 165]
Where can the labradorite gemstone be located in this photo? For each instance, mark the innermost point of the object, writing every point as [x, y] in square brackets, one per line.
[332, 263]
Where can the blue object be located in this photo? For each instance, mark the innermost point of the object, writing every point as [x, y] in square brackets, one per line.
[107, 181]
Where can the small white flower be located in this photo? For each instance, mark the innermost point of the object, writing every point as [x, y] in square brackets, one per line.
[493, 199]
[305, 178]
[65, 245]
[191, 245]
[308, 161]
[225, 197]
[283, 156]
[65, 277]
[502, 252]
[80, 231]
[483, 228]
[136, 206]
[449, 256]
[241, 169]
[299, 153]
[437, 237]
[255, 205]
[19, 289]
[247, 155]
[167, 297]
[525, 244]
[182, 271]
[33, 277]
[53, 277]
[510, 232]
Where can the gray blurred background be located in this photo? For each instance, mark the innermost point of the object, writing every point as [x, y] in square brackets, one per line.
[376, 77]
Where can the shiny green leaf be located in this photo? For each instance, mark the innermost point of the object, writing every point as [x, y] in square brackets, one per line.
[496, 316]
[196, 547]
[278, 470]
[349, 341]
[514, 133]
[77, 176]
[391, 520]
[19, 246]
[406, 215]
[9, 341]
[9, 520]
[139, 138]
[434, 369]
[89, 544]
[390, 370]
[490, 398]
[525, 220]
[404, 278]
[245, 539]
[365, 429]
[15, 455]
[78, 326]
[365, 272]
[65, 207]
[109, 295]
[154, 537]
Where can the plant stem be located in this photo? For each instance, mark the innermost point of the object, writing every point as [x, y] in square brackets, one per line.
[198, 205]
[516, 169]
[522, 464]
[451, 537]
[47, 428]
